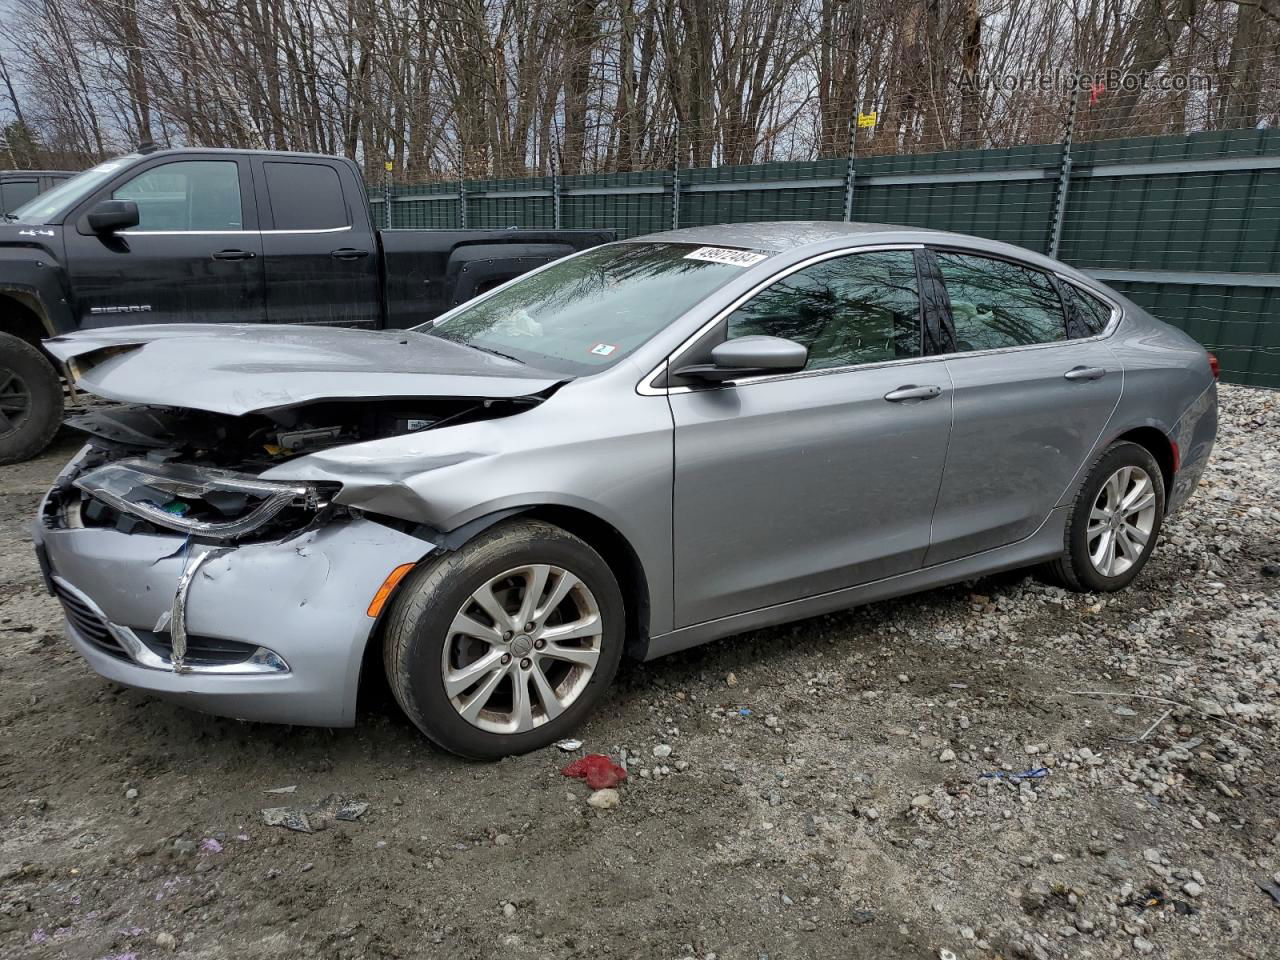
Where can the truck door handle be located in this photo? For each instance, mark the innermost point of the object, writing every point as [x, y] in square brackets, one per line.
[234, 255]
[348, 253]
[912, 392]
[1085, 373]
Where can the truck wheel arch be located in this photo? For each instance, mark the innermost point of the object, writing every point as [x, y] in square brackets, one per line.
[23, 315]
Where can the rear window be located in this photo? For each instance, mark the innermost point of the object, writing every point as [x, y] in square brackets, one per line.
[305, 196]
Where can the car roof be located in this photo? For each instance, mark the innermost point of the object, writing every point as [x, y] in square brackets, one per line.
[793, 238]
[15, 174]
[779, 236]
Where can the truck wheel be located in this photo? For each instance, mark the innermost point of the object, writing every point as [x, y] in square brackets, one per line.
[30, 400]
[507, 644]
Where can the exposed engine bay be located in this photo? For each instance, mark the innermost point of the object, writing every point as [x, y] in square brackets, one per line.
[152, 468]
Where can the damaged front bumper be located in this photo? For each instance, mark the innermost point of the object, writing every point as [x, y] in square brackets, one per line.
[271, 631]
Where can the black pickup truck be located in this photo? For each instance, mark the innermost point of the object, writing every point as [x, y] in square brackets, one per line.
[240, 236]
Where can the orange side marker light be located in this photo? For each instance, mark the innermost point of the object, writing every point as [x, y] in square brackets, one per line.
[388, 585]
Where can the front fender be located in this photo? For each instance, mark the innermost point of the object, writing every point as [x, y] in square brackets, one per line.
[33, 276]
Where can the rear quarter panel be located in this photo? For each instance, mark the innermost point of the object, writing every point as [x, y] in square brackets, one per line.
[1168, 385]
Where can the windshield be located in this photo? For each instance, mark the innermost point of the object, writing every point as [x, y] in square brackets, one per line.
[50, 206]
[590, 311]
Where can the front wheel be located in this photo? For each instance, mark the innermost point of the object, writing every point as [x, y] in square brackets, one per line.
[507, 644]
[30, 400]
[1114, 521]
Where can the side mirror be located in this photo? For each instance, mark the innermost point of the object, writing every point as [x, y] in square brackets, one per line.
[749, 356]
[112, 215]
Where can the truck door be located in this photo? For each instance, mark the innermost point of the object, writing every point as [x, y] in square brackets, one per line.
[194, 257]
[320, 252]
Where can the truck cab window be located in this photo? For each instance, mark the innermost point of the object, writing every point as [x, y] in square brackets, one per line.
[305, 196]
[191, 196]
[14, 193]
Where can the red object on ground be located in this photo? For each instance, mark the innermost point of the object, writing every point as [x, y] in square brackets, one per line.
[598, 770]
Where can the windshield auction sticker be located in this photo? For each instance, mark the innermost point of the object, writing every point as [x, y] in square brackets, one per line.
[734, 258]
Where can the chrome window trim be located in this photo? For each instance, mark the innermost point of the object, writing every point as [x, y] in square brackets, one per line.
[224, 233]
[647, 388]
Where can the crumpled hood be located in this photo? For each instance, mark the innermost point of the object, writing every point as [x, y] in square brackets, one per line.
[249, 368]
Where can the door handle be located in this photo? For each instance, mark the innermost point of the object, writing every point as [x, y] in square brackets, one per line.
[912, 392]
[1085, 373]
[348, 253]
[234, 255]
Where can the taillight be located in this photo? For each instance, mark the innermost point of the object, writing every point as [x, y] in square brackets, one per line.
[1214, 367]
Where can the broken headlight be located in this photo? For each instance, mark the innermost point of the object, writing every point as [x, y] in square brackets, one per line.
[199, 501]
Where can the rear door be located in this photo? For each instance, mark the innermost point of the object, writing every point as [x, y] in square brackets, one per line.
[195, 255]
[1031, 399]
[794, 485]
[321, 254]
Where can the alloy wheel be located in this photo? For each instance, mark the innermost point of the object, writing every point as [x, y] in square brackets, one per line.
[1121, 521]
[15, 401]
[522, 649]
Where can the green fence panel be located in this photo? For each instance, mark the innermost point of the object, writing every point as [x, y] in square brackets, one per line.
[431, 206]
[488, 206]
[635, 203]
[1236, 323]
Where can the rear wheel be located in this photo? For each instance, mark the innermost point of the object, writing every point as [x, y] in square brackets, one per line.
[507, 644]
[1114, 521]
[30, 400]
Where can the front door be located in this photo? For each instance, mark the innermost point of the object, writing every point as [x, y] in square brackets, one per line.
[1032, 398]
[194, 257]
[791, 486]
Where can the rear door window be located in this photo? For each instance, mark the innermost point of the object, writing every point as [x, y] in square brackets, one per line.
[997, 303]
[305, 196]
[862, 308]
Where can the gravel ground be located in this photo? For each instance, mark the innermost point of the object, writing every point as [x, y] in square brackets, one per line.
[829, 790]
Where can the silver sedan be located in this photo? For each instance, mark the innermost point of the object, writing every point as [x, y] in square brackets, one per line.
[636, 449]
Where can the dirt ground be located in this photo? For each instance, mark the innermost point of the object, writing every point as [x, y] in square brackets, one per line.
[825, 794]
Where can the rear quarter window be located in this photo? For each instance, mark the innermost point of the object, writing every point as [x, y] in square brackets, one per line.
[1090, 316]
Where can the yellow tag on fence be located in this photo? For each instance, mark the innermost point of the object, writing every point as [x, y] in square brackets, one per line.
[868, 119]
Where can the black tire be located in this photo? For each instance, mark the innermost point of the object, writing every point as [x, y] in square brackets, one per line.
[418, 623]
[30, 400]
[1074, 569]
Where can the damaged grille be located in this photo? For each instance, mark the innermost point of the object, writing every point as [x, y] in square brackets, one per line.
[87, 624]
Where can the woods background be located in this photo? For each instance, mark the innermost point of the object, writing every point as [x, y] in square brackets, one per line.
[479, 88]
